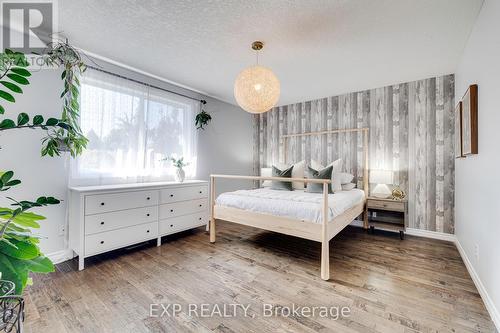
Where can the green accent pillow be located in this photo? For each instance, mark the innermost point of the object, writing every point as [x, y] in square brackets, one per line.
[279, 185]
[325, 173]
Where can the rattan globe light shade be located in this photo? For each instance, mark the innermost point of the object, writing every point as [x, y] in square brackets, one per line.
[256, 89]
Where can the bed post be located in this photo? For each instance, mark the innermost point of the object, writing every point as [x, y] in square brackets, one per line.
[212, 207]
[366, 182]
[325, 251]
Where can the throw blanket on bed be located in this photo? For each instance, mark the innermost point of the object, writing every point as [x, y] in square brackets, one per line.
[298, 204]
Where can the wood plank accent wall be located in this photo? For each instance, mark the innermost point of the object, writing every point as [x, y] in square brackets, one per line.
[411, 132]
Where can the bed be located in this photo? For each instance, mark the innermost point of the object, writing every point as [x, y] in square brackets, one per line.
[313, 216]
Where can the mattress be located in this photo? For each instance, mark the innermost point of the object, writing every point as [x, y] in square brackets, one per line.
[297, 204]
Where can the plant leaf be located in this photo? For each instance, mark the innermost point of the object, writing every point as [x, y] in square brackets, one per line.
[7, 123]
[10, 273]
[20, 71]
[22, 250]
[22, 119]
[8, 97]
[18, 78]
[13, 182]
[51, 122]
[37, 120]
[14, 87]
[6, 176]
[2, 110]
[24, 219]
[39, 264]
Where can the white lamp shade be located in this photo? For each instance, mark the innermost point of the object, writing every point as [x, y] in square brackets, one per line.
[257, 89]
[381, 176]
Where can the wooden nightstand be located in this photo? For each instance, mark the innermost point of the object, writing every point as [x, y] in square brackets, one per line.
[395, 219]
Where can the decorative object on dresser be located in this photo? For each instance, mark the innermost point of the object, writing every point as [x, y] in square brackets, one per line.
[178, 164]
[398, 194]
[469, 121]
[458, 131]
[107, 217]
[381, 178]
[394, 218]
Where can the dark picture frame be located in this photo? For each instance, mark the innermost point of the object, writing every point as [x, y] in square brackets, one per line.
[469, 121]
[458, 131]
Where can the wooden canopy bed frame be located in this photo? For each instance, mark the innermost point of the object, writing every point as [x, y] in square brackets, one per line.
[323, 232]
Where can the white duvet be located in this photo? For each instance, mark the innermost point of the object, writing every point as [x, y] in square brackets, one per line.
[297, 204]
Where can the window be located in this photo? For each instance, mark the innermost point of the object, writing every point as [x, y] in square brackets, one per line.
[130, 128]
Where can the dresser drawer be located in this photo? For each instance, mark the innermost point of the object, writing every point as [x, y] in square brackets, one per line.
[183, 193]
[102, 203]
[397, 206]
[110, 240]
[120, 219]
[183, 208]
[180, 223]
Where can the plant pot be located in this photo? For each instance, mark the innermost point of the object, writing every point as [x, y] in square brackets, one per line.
[63, 147]
[180, 175]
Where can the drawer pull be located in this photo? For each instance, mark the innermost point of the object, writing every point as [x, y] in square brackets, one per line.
[171, 195]
[201, 205]
[102, 203]
[171, 211]
[148, 198]
[102, 242]
[147, 214]
[199, 218]
[385, 205]
[201, 192]
[102, 223]
[147, 230]
[171, 225]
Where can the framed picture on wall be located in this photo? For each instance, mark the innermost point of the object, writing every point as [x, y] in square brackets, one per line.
[469, 121]
[458, 131]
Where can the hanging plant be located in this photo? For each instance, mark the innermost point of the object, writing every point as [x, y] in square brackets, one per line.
[202, 118]
[62, 54]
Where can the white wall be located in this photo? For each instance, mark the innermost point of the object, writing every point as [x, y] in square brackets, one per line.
[477, 177]
[224, 147]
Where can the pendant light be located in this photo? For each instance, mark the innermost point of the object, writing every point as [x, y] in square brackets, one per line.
[256, 88]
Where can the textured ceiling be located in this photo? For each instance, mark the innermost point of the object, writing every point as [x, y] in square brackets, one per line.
[316, 48]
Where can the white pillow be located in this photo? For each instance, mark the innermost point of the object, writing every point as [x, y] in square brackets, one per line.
[346, 178]
[348, 186]
[337, 166]
[297, 172]
[266, 172]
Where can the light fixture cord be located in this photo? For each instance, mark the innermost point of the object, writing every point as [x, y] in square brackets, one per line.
[257, 56]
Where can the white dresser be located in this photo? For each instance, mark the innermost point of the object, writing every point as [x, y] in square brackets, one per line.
[108, 217]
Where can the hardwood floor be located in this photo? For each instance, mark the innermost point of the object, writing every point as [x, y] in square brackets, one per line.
[415, 285]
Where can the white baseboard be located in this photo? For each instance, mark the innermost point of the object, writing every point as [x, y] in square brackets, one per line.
[490, 306]
[60, 256]
[431, 234]
[418, 232]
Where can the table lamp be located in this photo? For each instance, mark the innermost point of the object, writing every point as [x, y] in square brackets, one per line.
[381, 178]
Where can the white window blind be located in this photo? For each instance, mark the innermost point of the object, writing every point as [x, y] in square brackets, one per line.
[131, 127]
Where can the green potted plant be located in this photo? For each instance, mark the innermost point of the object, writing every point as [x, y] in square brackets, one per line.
[178, 164]
[202, 118]
[20, 253]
